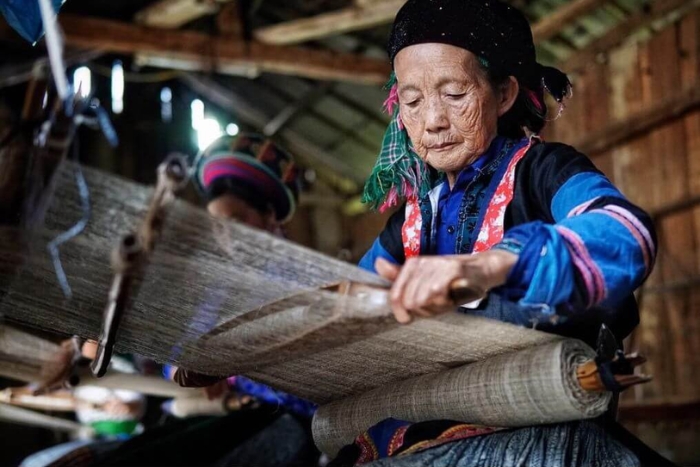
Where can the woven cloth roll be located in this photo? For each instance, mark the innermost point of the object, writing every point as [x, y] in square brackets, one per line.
[529, 387]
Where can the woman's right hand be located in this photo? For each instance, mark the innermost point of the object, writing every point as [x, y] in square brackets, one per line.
[423, 286]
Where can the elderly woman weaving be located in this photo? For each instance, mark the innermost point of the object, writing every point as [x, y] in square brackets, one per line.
[490, 205]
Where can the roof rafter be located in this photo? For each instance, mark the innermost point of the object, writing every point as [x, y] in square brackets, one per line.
[171, 14]
[212, 53]
[365, 14]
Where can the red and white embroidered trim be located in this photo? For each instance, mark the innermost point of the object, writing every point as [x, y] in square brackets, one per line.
[411, 230]
[491, 231]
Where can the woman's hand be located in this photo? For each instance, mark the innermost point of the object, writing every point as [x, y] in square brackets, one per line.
[118, 408]
[217, 390]
[422, 287]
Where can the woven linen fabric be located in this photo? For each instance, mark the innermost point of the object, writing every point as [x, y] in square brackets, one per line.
[204, 300]
[203, 273]
[375, 355]
[529, 387]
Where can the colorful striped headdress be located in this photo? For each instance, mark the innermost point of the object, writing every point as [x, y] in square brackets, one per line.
[252, 168]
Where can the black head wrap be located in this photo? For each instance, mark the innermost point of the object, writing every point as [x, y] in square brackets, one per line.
[490, 29]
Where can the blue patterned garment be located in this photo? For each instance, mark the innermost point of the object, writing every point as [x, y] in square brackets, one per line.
[271, 396]
[583, 247]
[455, 209]
[576, 444]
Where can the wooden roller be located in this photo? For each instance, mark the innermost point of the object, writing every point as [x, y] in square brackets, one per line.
[590, 379]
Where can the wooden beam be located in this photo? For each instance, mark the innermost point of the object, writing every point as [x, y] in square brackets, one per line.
[365, 14]
[675, 208]
[659, 411]
[246, 70]
[171, 14]
[326, 24]
[214, 53]
[640, 123]
[675, 286]
[654, 11]
[288, 96]
[367, 3]
[229, 21]
[554, 23]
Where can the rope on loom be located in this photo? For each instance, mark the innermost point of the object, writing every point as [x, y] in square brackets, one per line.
[100, 119]
[74, 231]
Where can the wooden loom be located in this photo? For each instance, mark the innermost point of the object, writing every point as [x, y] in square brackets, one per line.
[221, 298]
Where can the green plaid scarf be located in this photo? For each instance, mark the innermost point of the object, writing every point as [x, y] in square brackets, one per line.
[399, 173]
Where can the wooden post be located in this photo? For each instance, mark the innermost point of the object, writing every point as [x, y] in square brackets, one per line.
[229, 22]
[689, 53]
[676, 232]
[208, 53]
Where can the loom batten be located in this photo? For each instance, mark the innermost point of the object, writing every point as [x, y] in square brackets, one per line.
[502, 391]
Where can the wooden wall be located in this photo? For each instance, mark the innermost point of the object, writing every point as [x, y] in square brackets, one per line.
[656, 169]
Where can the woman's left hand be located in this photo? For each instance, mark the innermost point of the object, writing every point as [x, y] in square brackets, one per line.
[422, 286]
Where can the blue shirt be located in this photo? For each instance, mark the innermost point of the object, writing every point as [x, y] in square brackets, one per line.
[450, 200]
[580, 243]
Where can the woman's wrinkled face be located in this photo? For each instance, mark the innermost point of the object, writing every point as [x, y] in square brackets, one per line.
[447, 104]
